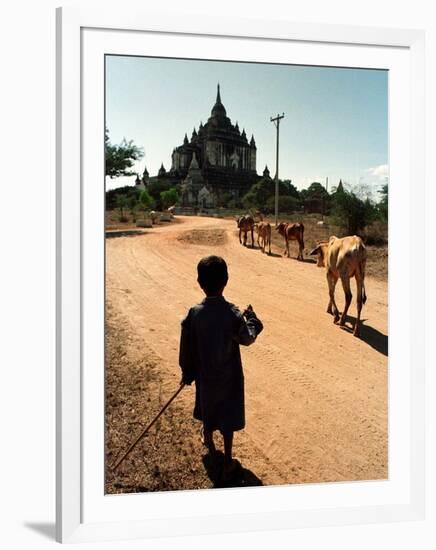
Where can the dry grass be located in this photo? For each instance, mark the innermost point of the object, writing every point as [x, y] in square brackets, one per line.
[211, 237]
[169, 457]
[112, 220]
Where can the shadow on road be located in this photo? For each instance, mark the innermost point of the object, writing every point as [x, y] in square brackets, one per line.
[309, 261]
[124, 233]
[369, 335]
[258, 249]
[243, 477]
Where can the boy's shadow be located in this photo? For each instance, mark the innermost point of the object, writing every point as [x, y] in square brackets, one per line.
[242, 477]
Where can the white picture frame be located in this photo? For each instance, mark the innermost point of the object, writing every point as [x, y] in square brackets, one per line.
[78, 242]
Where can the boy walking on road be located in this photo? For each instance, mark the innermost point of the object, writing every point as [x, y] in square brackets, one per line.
[209, 355]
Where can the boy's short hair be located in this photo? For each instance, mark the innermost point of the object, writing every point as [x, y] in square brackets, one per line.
[212, 274]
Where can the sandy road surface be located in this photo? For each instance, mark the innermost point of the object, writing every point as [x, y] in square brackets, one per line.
[316, 397]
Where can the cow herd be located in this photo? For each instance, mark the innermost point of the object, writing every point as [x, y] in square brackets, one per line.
[343, 258]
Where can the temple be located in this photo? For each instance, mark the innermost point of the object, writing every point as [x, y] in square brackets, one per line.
[216, 164]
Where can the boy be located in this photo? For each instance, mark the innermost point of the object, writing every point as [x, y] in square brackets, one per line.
[209, 354]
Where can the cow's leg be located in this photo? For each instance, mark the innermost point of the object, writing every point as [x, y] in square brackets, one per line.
[301, 248]
[240, 240]
[345, 279]
[301, 243]
[252, 238]
[332, 307]
[269, 244]
[359, 286]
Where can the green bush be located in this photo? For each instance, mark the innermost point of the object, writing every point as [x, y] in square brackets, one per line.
[128, 191]
[156, 188]
[287, 204]
[263, 191]
[351, 213]
[146, 201]
[169, 198]
[383, 204]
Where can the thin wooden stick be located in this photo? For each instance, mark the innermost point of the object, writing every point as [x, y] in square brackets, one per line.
[141, 435]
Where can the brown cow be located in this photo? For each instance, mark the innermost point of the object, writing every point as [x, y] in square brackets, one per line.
[344, 258]
[263, 234]
[246, 224]
[292, 232]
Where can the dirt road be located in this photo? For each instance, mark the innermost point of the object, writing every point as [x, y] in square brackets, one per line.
[316, 397]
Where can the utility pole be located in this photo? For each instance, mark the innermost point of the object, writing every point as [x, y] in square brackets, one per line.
[276, 121]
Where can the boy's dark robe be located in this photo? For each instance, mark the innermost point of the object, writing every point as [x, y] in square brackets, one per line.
[209, 354]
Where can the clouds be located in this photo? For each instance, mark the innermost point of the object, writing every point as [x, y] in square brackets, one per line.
[378, 173]
[372, 181]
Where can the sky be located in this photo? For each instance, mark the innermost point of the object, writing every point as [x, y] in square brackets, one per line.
[335, 125]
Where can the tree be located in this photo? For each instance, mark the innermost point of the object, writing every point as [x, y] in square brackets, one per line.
[155, 189]
[129, 191]
[169, 198]
[316, 198]
[351, 213]
[383, 204]
[120, 158]
[145, 201]
[263, 190]
[316, 190]
[133, 206]
[225, 199]
[249, 200]
[363, 191]
[122, 203]
[290, 187]
[287, 204]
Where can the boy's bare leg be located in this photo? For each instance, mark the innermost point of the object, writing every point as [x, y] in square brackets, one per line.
[208, 440]
[228, 446]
